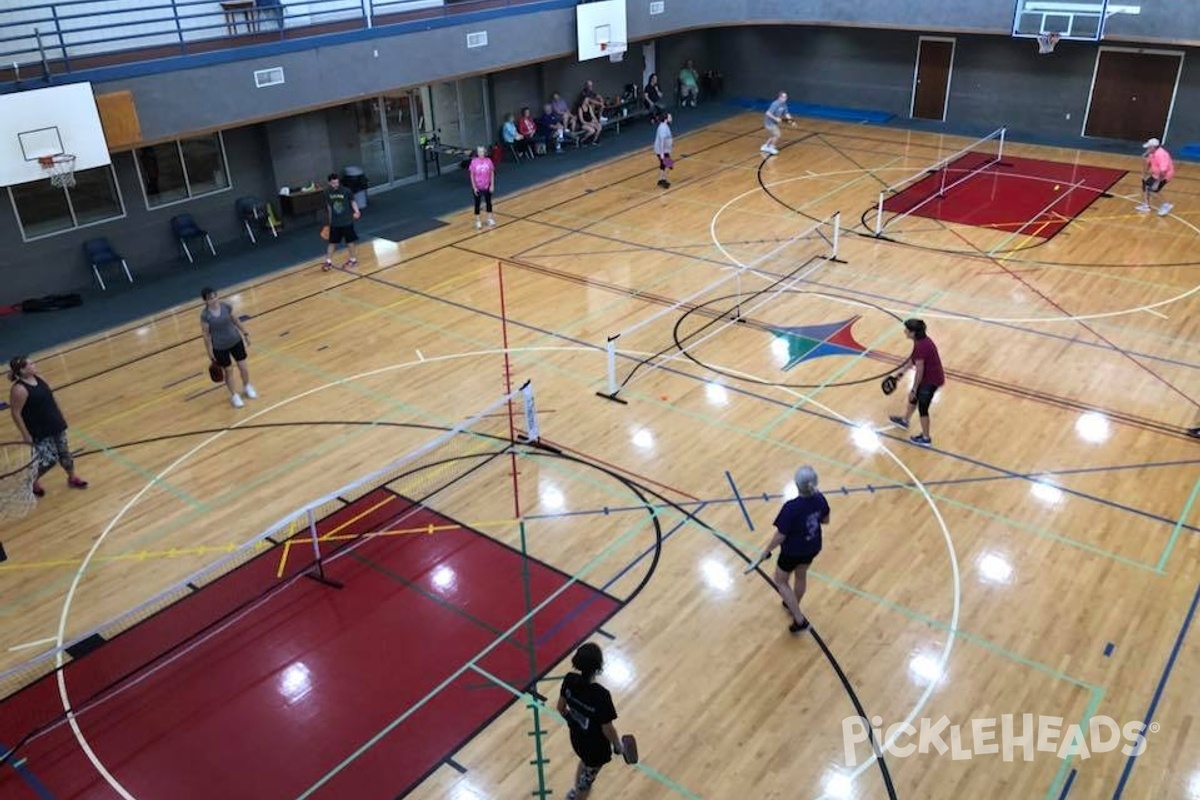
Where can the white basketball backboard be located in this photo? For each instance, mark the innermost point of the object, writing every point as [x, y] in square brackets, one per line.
[600, 23]
[45, 122]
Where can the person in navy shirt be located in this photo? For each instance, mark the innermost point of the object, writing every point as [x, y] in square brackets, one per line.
[798, 536]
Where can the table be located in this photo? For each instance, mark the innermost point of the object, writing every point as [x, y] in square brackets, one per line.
[231, 9]
[298, 204]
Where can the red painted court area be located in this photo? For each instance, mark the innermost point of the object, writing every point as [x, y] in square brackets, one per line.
[1025, 196]
[272, 700]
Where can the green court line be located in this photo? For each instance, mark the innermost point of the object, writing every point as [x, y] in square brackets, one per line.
[535, 703]
[137, 469]
[851, 363]
[543, 363]
[1183, 518]
[594, 562]
[1056, 785]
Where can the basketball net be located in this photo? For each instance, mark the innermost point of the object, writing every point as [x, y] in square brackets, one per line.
[1046, 43]
[60, 169]
[17, 474]
[615, 51]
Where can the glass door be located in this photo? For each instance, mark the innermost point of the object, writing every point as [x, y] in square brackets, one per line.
[400, 121]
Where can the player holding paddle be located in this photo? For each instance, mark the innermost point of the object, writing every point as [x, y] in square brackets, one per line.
[225, 340]
[928, 379]
[589, 711]
[798, 534]
[777, 112]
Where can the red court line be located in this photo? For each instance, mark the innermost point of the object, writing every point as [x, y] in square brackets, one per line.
[1012, 195]
[268, 706]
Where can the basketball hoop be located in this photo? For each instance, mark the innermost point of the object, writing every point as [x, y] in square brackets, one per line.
[615, 50]
[60, 169]
[17, 474]
[1046, 43]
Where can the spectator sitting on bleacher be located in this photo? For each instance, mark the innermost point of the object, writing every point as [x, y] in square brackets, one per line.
[654, 97]
[689, 85]
[550, 127]
[560, 107]
[589, 97]
[527, 128]
[589, 122]
[512, 138]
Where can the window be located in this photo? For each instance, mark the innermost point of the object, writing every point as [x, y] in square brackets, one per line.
[43, 209]
[178, 171]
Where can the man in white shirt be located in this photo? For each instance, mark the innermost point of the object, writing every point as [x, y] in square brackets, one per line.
[662, 148]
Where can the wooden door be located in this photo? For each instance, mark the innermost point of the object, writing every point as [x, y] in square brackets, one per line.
[1132, 94]
[931, 86]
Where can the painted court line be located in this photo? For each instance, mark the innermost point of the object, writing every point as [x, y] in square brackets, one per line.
[737, 496]
[28, 645]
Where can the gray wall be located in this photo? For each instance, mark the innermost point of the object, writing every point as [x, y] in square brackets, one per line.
[57, 264]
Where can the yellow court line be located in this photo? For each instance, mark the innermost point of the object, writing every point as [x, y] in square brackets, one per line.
[140, 555]
[1028, 238]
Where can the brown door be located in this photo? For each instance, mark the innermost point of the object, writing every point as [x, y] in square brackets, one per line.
[1131, 96]
[934, 57]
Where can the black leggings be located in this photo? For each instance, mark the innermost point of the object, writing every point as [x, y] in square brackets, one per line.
[485, 196]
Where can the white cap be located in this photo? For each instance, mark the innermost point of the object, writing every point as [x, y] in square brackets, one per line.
[1150, 143]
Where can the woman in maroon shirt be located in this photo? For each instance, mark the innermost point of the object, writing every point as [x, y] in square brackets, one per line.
[929, 378]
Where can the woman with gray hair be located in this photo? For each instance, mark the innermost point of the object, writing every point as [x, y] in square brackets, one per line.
[798, 535]
[483, 182]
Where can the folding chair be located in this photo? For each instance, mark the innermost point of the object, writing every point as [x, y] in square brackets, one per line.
[186, 228]
[253, 213]
[100, 254]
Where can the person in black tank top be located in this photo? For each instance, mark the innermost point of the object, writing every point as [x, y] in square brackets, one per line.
[588, 709]
[40, 421]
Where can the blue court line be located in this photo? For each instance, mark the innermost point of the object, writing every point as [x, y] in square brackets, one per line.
[181, 380]
[31, 780]
[738, 497]
[558, 626]
[1067, 786]
[1158, 691]
[1108, 649]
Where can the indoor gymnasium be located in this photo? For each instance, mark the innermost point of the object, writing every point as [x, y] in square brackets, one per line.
[640, 399]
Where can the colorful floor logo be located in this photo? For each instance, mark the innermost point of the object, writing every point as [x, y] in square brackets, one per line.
[806, 342]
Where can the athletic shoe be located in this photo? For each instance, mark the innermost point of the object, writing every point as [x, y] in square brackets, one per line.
[77, 483]
[351, 264]
[922, 440]
[765, 148]
[491, 222]
[1193, 432]
[328, 265]
[772, 151]
[663, 183]
[1165, 209]
[478, 224]
[38, 491]
[236, 400]
[1142, 207]
[899, 422]
[250, 392]
[798, 627]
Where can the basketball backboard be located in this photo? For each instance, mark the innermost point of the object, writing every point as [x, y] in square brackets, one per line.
[45, 122]
[600, 23]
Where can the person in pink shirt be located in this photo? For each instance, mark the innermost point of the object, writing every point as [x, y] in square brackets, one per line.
[1160, 169]
[483, 183]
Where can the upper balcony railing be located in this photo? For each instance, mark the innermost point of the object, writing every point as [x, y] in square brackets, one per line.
[42, 39]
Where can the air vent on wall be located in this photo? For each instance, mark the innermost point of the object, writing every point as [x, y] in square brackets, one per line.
[477, 39]
[268, 77]
[657, 7]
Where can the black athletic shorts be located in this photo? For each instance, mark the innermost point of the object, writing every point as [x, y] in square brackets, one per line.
[789, 563]
[925, 393]
[1152, 184]
[342, 233]
[226, 357]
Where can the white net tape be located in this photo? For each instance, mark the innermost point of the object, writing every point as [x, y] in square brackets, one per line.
[17, 474]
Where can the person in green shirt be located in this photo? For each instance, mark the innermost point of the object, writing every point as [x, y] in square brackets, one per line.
[689, 86]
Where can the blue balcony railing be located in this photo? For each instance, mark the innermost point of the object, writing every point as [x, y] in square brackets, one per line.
[71, 35]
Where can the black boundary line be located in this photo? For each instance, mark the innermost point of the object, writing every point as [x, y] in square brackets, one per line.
[867, 352]
[290, 271]
[454, 765]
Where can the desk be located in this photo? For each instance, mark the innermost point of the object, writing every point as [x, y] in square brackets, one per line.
[231, 9]
[298, 204]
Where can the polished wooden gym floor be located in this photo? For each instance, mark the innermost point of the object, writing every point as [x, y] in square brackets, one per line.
[1041, 558]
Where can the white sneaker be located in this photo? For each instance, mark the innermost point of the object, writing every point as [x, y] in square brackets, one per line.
[250, 392]
[1165, 209]
[236, 400]
[478, 224]
[1142, 207]
[491, 222]
[765, 148]
[772, 151]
